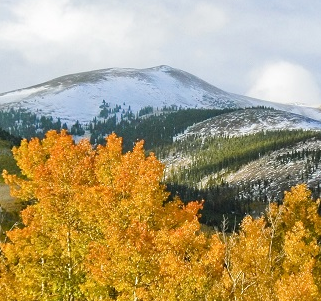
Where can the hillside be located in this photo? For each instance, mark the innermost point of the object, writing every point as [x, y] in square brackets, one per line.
[278, 171]
[239, 161]
[250, 121]
[7, 162]
[243, 180]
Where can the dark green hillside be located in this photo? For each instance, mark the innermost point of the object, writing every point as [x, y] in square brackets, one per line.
[9, 209]
[214, 154]
[7, 141]
[156, 130]
[6, 158]
[156, 127]
[210, 159]
[11, 139]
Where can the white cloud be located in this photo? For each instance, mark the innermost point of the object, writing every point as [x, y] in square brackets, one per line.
[59, 35]
[286, 83]
[56, 37]
[42, 20]
[204, 18]
[219, 41]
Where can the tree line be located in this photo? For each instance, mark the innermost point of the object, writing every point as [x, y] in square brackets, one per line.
[22, 123]
[157, 129]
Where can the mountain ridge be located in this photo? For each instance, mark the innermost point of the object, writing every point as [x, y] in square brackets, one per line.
[78, 96]
[250, 121]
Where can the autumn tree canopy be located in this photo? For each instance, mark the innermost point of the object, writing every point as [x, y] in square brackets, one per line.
[100, 226]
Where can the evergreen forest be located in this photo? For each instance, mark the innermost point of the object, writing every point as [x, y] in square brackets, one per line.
[208, 159]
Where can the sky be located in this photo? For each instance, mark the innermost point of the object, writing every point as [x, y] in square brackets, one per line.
[264, 49]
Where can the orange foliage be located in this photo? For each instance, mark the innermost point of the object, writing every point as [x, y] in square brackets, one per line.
[101, 227]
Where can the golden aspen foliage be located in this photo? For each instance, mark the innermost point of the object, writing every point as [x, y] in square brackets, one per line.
[249, 271]
[150, 247]
[100, 227]
[301, 230]
[298, 205]
[46, 254]
[300, 252]
[276, 257]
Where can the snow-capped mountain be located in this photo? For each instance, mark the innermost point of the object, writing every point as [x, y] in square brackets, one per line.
[79, 96]
[182, 139]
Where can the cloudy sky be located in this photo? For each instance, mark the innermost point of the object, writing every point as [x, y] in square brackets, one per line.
[265, 49]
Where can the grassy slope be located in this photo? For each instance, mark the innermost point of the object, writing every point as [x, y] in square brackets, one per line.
[6, 162]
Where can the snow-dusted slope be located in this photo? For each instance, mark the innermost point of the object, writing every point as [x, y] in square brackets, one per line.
[78, 96]
[251, 121]
[280, 175]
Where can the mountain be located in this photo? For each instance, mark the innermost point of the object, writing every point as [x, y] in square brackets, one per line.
[80, 96]
[226, 132]
[235, 152]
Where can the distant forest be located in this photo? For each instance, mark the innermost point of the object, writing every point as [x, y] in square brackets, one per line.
[202, 177]
[157, 127]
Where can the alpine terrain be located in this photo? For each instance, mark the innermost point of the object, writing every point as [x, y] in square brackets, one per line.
[235, 152]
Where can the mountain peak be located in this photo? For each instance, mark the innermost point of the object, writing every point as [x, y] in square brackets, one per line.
[163, 68]
[78, 96]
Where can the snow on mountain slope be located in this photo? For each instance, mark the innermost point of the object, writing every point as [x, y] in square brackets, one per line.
[78, 96]
[280, 174]
[248, 121]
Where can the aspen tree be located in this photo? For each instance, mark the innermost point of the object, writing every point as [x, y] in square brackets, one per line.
[100, 227]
